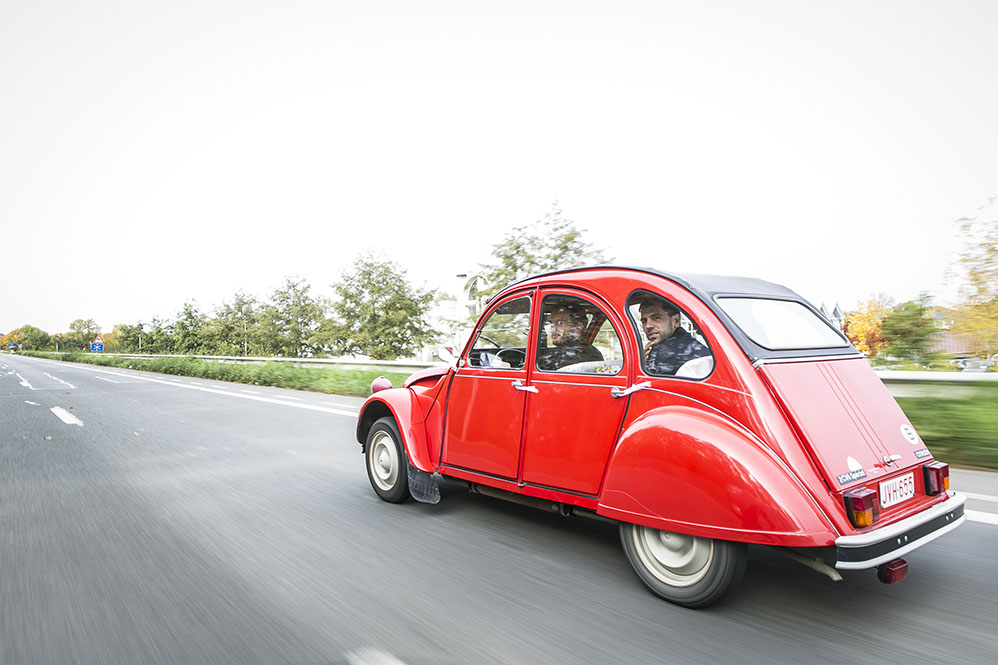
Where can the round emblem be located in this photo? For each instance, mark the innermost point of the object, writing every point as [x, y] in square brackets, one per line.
[909, 434]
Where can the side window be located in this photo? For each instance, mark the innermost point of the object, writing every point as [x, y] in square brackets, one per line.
[575, 336]
[501, 342]
[673, 345]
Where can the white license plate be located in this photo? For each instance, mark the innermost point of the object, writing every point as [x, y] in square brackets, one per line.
[896, 490]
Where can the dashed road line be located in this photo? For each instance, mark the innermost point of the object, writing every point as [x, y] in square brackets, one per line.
[28, 401]
[67, 383]
[24, 382]
[980, 497]
[104, 378]
[65, 416]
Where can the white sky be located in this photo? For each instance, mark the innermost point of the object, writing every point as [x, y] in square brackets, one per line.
[157, 152]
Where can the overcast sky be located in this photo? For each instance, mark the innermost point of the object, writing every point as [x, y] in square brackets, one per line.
[157, 152]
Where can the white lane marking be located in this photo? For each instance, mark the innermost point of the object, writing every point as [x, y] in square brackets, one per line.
[980, 497]
[251, 392]
[65, 416]
[104, 378]
[981, 516]
[60, 380]
[342, 411]
[289, 397]
[24, 382]
[28, 401]
[372, 657]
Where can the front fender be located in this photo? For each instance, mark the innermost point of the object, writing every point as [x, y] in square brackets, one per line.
[690, 471]
[402, 404]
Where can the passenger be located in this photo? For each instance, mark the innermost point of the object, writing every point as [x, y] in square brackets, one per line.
[669, 346]
[567, 326]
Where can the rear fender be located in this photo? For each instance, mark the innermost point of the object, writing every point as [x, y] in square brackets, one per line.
[691, 471]
[402, 405]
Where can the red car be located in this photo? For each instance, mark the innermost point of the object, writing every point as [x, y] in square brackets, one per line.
[700, 413]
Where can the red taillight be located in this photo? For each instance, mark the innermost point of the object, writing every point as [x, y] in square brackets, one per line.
[936, 477]
[861, 506]
[893, 571]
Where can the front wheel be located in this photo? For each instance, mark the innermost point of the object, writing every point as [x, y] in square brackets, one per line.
[683, 569]
[386, 462]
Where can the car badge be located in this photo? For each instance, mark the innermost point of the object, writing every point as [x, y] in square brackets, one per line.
[909, 434]
[891, 459]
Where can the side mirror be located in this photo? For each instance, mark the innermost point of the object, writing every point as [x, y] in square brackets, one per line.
[446, 354]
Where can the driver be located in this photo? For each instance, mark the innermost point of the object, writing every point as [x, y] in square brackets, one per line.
[566, 326]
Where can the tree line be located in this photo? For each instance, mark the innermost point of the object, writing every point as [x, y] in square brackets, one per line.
[375, 311]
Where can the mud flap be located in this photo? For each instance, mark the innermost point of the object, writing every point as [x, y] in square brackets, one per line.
[422, 486]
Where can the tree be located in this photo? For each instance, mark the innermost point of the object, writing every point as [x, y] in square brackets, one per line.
[377, 312]
[235, 328]
[977, 264]
[124, 338]
[550, 243]
[908, 329]
[289, 322]
[29, 337]
[863, 326]
[188, 330]
[82, 332]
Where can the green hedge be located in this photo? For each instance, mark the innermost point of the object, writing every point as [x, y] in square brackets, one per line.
[961, 430]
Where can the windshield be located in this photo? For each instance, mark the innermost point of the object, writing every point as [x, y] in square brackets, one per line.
[781, 324]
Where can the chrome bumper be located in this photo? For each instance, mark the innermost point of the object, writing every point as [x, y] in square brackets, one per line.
[869, 550]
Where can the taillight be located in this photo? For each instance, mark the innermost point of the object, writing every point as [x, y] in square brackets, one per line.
[936, 477]
[861, 506]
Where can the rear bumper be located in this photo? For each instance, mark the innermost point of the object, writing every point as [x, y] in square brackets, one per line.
[869, 550]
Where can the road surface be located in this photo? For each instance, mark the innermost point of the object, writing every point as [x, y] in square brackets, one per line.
[153, 519]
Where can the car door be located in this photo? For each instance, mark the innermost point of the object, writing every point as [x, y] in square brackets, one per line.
[573, 417]
[485, 404]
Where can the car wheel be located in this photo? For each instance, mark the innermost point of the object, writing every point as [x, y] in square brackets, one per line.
[683, 569]
[386, 462]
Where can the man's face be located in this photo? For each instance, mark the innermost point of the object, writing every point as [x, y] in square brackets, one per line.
[657, 323]
[564, 328]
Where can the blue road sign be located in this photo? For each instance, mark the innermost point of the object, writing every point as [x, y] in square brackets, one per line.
[10, 345]
[96, 347]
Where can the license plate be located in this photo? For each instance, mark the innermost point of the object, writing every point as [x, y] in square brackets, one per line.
[896, 490]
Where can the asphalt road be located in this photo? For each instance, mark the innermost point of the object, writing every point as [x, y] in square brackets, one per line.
[154, 519]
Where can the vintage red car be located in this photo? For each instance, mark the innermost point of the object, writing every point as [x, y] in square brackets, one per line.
[701, 413]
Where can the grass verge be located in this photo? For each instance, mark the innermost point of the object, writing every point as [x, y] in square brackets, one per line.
[332, 380]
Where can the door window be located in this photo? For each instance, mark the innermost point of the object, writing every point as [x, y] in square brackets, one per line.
[501, 342]
[673, 345]
[576, 336]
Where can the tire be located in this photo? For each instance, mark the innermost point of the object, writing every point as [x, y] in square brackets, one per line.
[386, 461]
[682, 569]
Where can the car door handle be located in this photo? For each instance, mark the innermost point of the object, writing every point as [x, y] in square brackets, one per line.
[519, 386]
[624, 392]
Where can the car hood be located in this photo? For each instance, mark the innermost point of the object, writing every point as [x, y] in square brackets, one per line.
[846, 418]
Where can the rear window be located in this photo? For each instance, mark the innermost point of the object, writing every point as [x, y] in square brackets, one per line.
[781, 324]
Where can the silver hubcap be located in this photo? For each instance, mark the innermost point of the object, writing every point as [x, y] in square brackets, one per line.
[673, 558]
[384, 461]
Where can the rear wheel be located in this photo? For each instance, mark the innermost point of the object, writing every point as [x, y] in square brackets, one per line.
[683, 569]
[386, 462]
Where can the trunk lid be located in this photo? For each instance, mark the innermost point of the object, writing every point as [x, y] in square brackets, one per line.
[849, 423]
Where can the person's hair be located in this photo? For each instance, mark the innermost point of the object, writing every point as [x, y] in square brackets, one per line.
[573, 312]
[655, 301]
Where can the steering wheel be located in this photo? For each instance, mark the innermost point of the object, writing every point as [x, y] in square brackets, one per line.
[516, 358]
[490, 341]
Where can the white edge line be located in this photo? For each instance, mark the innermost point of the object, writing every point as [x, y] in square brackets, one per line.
[980, 497]
[65, 416]
[269, 400]
[981, 516]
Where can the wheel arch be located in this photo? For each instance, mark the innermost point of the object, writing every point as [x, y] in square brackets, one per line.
[402, 406]
[687, 470]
